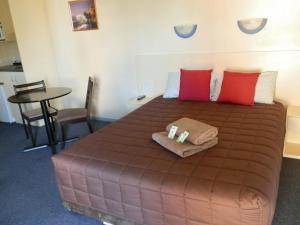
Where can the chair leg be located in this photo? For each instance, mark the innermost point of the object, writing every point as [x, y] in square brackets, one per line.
[63, 137]
[31, 134]
[90, 126]
[25, 128]
[52, 123]
[52, 126]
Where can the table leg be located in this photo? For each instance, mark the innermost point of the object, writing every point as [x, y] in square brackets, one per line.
[49, 131]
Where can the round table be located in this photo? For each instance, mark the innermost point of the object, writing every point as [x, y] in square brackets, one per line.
[42, 97]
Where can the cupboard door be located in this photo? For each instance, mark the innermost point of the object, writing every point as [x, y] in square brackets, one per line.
[5, 112]
[10, 79]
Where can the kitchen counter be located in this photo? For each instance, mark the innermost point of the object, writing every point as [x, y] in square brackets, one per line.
[11, 68]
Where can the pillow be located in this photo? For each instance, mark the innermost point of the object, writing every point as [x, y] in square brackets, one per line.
[215, 86]
[265, 87]
[173, 84]
[195, 85]
[238, 88]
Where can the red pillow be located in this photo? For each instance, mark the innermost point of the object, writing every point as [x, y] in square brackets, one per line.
[238, 88]
[195, 85]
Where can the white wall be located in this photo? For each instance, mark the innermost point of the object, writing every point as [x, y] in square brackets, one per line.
[106, 54]
[130, 31]
[136, 46]
[280, 33]
[277, 47]
[160, 51]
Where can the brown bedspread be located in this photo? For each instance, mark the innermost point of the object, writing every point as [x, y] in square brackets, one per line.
[119, 170]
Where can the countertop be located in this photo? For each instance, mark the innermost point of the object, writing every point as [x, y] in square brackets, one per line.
[11, 68]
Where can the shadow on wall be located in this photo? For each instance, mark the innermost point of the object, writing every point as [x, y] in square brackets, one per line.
[96, 96]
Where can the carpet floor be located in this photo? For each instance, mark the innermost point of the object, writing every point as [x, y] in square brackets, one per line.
[29, 196]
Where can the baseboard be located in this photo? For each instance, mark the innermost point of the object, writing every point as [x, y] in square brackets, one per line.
[40, 123]
[104, 119]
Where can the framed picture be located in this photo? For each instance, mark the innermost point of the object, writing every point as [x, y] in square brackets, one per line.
[84, 15]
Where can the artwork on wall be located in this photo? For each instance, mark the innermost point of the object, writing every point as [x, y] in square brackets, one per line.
[84, 16]
[186, 30]
[252, 26]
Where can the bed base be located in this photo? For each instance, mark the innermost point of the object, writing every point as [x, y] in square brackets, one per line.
[104, 218]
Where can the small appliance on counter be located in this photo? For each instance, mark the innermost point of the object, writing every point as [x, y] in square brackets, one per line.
[2, 37]
[17, 63]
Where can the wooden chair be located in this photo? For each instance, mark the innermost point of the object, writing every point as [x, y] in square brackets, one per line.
[76, 115]
[29, 116]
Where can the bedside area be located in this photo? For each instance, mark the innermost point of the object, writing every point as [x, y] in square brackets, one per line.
[134, 103]
[292, 139]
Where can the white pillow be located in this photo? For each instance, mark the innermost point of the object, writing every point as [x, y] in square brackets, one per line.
[264, 92]
[215, 86]
[265, 87]
[173, 85]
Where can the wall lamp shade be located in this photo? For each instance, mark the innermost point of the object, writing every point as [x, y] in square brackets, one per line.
[185, 31]
[252, 26]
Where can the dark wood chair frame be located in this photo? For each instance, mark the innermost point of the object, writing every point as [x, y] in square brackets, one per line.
[86, 119]
[25, 89]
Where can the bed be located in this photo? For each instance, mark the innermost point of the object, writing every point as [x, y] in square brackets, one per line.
[120, 174]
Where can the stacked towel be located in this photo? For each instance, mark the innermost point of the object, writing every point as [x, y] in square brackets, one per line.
[201, 137]
[199, 132]
[183, 150]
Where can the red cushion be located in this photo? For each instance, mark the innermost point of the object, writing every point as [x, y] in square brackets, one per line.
[195, 85]
[238, 88]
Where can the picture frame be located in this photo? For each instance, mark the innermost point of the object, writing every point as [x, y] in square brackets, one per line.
[83, 15]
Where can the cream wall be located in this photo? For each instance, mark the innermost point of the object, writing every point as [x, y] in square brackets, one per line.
[8, 49]
[34, 42]
[136, 46]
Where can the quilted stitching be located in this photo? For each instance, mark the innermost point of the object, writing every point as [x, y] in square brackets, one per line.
[121, 171]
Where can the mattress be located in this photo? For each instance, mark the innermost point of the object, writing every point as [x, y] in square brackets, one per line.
[121, 172]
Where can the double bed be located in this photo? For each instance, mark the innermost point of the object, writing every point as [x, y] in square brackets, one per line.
[121, 174]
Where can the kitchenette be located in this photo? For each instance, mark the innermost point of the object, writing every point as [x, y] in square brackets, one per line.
[11, 70]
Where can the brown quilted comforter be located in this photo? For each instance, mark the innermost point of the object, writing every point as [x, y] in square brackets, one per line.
[119, 170]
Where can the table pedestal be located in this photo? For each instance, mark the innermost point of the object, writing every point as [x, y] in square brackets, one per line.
[50, 134]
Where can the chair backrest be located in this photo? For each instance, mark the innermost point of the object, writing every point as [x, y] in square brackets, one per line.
[89, 94]
[30, 87]
[27, 88]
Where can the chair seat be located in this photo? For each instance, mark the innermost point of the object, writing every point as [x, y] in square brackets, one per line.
[69, 115]
[37, 114]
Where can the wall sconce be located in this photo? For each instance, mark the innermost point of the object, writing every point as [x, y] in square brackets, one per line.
[185, 31]
[252, 26]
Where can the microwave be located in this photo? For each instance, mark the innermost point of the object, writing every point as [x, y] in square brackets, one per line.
[2, 37]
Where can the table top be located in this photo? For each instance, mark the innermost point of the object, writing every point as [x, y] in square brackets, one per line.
[39, 96]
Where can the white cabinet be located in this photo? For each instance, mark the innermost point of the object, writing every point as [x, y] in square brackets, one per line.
[5, 112]
[9, 79]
